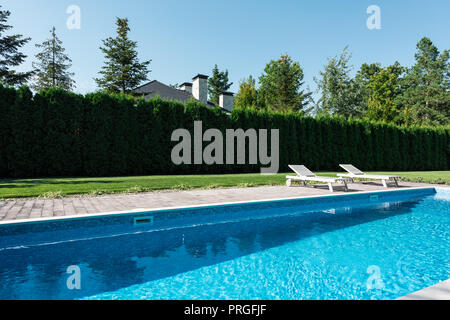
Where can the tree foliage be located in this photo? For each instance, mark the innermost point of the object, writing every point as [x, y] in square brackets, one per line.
[52, 68]
[122, 70]
[217, 84]
[10, 55]
[419, 95]
[247, 95]
[361, 81]
[426, 87]
[280, 86]
[340, 94]
[104, 134]
[384, 85]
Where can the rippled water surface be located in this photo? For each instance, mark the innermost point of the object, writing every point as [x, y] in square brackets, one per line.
[379, 250]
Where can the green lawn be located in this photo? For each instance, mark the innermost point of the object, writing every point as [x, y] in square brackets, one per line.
[55, 187]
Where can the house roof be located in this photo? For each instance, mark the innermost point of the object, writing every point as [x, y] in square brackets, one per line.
[155, 88]
[201, 76]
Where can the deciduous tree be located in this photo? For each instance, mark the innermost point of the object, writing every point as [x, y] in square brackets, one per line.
[247, 95]
[340, 94]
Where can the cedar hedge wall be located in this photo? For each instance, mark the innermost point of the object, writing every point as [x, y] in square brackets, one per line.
[58, 133]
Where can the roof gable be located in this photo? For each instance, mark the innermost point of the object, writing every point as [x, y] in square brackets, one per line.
[156, 88]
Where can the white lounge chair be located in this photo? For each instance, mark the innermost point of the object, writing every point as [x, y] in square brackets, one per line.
[354, 172]
[304, 174]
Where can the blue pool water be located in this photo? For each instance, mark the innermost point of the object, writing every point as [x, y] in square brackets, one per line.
[366, 246]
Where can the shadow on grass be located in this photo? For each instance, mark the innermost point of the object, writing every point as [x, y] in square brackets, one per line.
[15, 186]
[14, 183]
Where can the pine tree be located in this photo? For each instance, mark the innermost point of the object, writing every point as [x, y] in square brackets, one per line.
[280, 86]
[122, 71]
[426, 87]
[10, 56]
[217, 84]
[52, 68]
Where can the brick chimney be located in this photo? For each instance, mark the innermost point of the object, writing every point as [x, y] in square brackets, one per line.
[226, 101]
[200, 88]
[187, 86]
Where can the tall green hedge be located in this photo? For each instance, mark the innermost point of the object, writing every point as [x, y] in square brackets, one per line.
[57, 133]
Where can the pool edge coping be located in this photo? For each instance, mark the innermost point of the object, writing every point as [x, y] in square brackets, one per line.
[430, 293]
[199, 206]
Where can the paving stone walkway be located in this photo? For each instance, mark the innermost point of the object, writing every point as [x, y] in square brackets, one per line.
[18, 209]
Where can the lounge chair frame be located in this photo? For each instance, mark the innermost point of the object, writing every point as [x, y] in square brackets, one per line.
[354, 172]
[304, 175]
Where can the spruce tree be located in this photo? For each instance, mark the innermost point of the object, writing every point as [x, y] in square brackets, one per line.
[52, 68]
[10, 56]
[280, 86]
[217, 84]
[122, 71]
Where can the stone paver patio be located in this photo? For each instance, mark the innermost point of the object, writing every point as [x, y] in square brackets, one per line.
[18, 209]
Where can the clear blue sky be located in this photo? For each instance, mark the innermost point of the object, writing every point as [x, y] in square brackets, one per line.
[184, 38]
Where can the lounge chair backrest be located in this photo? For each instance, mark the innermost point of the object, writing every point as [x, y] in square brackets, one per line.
[302, 171]
[351, 169]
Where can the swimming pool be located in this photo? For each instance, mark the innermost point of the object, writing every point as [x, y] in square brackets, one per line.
[380, 245]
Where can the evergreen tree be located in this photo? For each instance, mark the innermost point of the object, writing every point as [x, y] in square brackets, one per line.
[385, 88]
[366, 71]
[361, 81]
[426, 87]
[280, 86]
[247, 95]
[122, 71]
[10, 56]
[217, 84]
[340, 94]
[52, 68]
